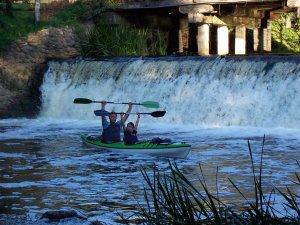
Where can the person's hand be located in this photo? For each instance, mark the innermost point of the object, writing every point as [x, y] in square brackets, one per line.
[103, 103]
[130, 104]
[138, 115]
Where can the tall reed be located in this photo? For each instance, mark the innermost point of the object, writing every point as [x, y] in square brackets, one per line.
[122, 40]
[173, 199]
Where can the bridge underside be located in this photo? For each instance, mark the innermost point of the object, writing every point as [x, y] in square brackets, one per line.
[207, 26]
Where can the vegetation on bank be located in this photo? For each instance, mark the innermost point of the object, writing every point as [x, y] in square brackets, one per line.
[122, 40]
[286, 34]
[20, 23]
[117, 40]
[102, 40]
[174, 199]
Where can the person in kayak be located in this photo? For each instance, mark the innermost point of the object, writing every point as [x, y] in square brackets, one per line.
[112, 129]
[130, 132]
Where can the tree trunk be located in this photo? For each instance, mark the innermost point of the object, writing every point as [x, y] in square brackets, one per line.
[8, 7]
[37, 11]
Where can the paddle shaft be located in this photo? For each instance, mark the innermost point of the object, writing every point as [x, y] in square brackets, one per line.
[154, 114]
[120, 103]
[130, 113]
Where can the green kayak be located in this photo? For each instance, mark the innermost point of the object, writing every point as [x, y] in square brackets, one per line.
[174, 150]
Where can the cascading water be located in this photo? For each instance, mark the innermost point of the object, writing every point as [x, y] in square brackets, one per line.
[253, 91]
[215, 104]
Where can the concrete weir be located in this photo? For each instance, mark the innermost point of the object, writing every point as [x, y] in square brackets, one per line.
[207, 27]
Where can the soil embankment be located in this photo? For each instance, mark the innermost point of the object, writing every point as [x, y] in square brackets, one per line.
[23, 64]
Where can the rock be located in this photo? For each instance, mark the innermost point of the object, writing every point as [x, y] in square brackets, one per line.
[97, 222]
[19, 79]
[57, 215]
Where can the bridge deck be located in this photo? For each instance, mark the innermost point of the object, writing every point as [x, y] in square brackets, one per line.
[142, 4]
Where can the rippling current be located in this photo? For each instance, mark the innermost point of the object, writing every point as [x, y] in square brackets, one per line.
[214, 104]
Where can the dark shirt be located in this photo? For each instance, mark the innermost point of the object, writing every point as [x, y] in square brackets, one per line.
[111, 132]
[130, 138]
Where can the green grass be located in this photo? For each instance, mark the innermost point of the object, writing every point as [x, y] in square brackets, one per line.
[21, 24]
[73, 15]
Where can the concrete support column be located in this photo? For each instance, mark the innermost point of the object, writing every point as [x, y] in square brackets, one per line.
[288, 21]
[240, 40]
[263, 39]
[183, 34]
[294, 4]
[256, 40]
[180, 41]
[267, 38]
[222, 40]
[203, 39]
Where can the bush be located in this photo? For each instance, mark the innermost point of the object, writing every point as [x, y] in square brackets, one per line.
[121, 40]
[286, 39]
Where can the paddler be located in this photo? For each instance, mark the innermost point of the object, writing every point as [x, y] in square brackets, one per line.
[130, 132]
[112, 129]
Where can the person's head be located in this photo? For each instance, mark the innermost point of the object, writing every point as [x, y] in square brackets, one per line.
[130, 127]
[112, 117]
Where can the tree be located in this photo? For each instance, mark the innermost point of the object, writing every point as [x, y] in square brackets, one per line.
[37, 11]
[8, 7]
[296, 26]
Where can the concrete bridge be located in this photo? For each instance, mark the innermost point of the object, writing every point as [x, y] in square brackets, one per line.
[207, 26]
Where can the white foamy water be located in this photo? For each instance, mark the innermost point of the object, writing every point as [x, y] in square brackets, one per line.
[215, 104]
[201, 91]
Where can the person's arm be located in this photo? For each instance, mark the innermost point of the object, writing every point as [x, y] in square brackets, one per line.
[122, 124]
[127, 113]
[103, 118]
[137, 121]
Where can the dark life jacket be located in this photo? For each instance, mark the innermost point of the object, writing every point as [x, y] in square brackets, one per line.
[112, 133]
[130, 138]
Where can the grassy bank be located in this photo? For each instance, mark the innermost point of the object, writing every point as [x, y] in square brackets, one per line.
[17, 26]
[174, 199]
[21, 23]
[102, 40]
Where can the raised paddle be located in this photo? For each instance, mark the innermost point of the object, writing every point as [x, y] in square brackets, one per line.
[148, 104]
[154, 114]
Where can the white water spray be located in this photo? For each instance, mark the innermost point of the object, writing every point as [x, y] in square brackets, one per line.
[261, 91]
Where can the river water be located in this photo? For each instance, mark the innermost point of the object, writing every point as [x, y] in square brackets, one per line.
[215, 104]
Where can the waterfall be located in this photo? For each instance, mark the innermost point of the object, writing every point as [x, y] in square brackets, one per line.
[262, 91]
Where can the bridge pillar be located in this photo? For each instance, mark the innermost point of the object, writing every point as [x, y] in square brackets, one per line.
[203, 39]
[240, 40]
[183, 34]
[294, 4]
[262, 39]
[222, 40]
[256, 35]
[267, 38]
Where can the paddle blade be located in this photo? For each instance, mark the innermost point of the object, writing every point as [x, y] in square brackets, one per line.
[101, 112]
[158, 113]
[150, 104]
[82, 101]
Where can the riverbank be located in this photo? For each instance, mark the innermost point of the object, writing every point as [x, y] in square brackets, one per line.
[23, 65]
